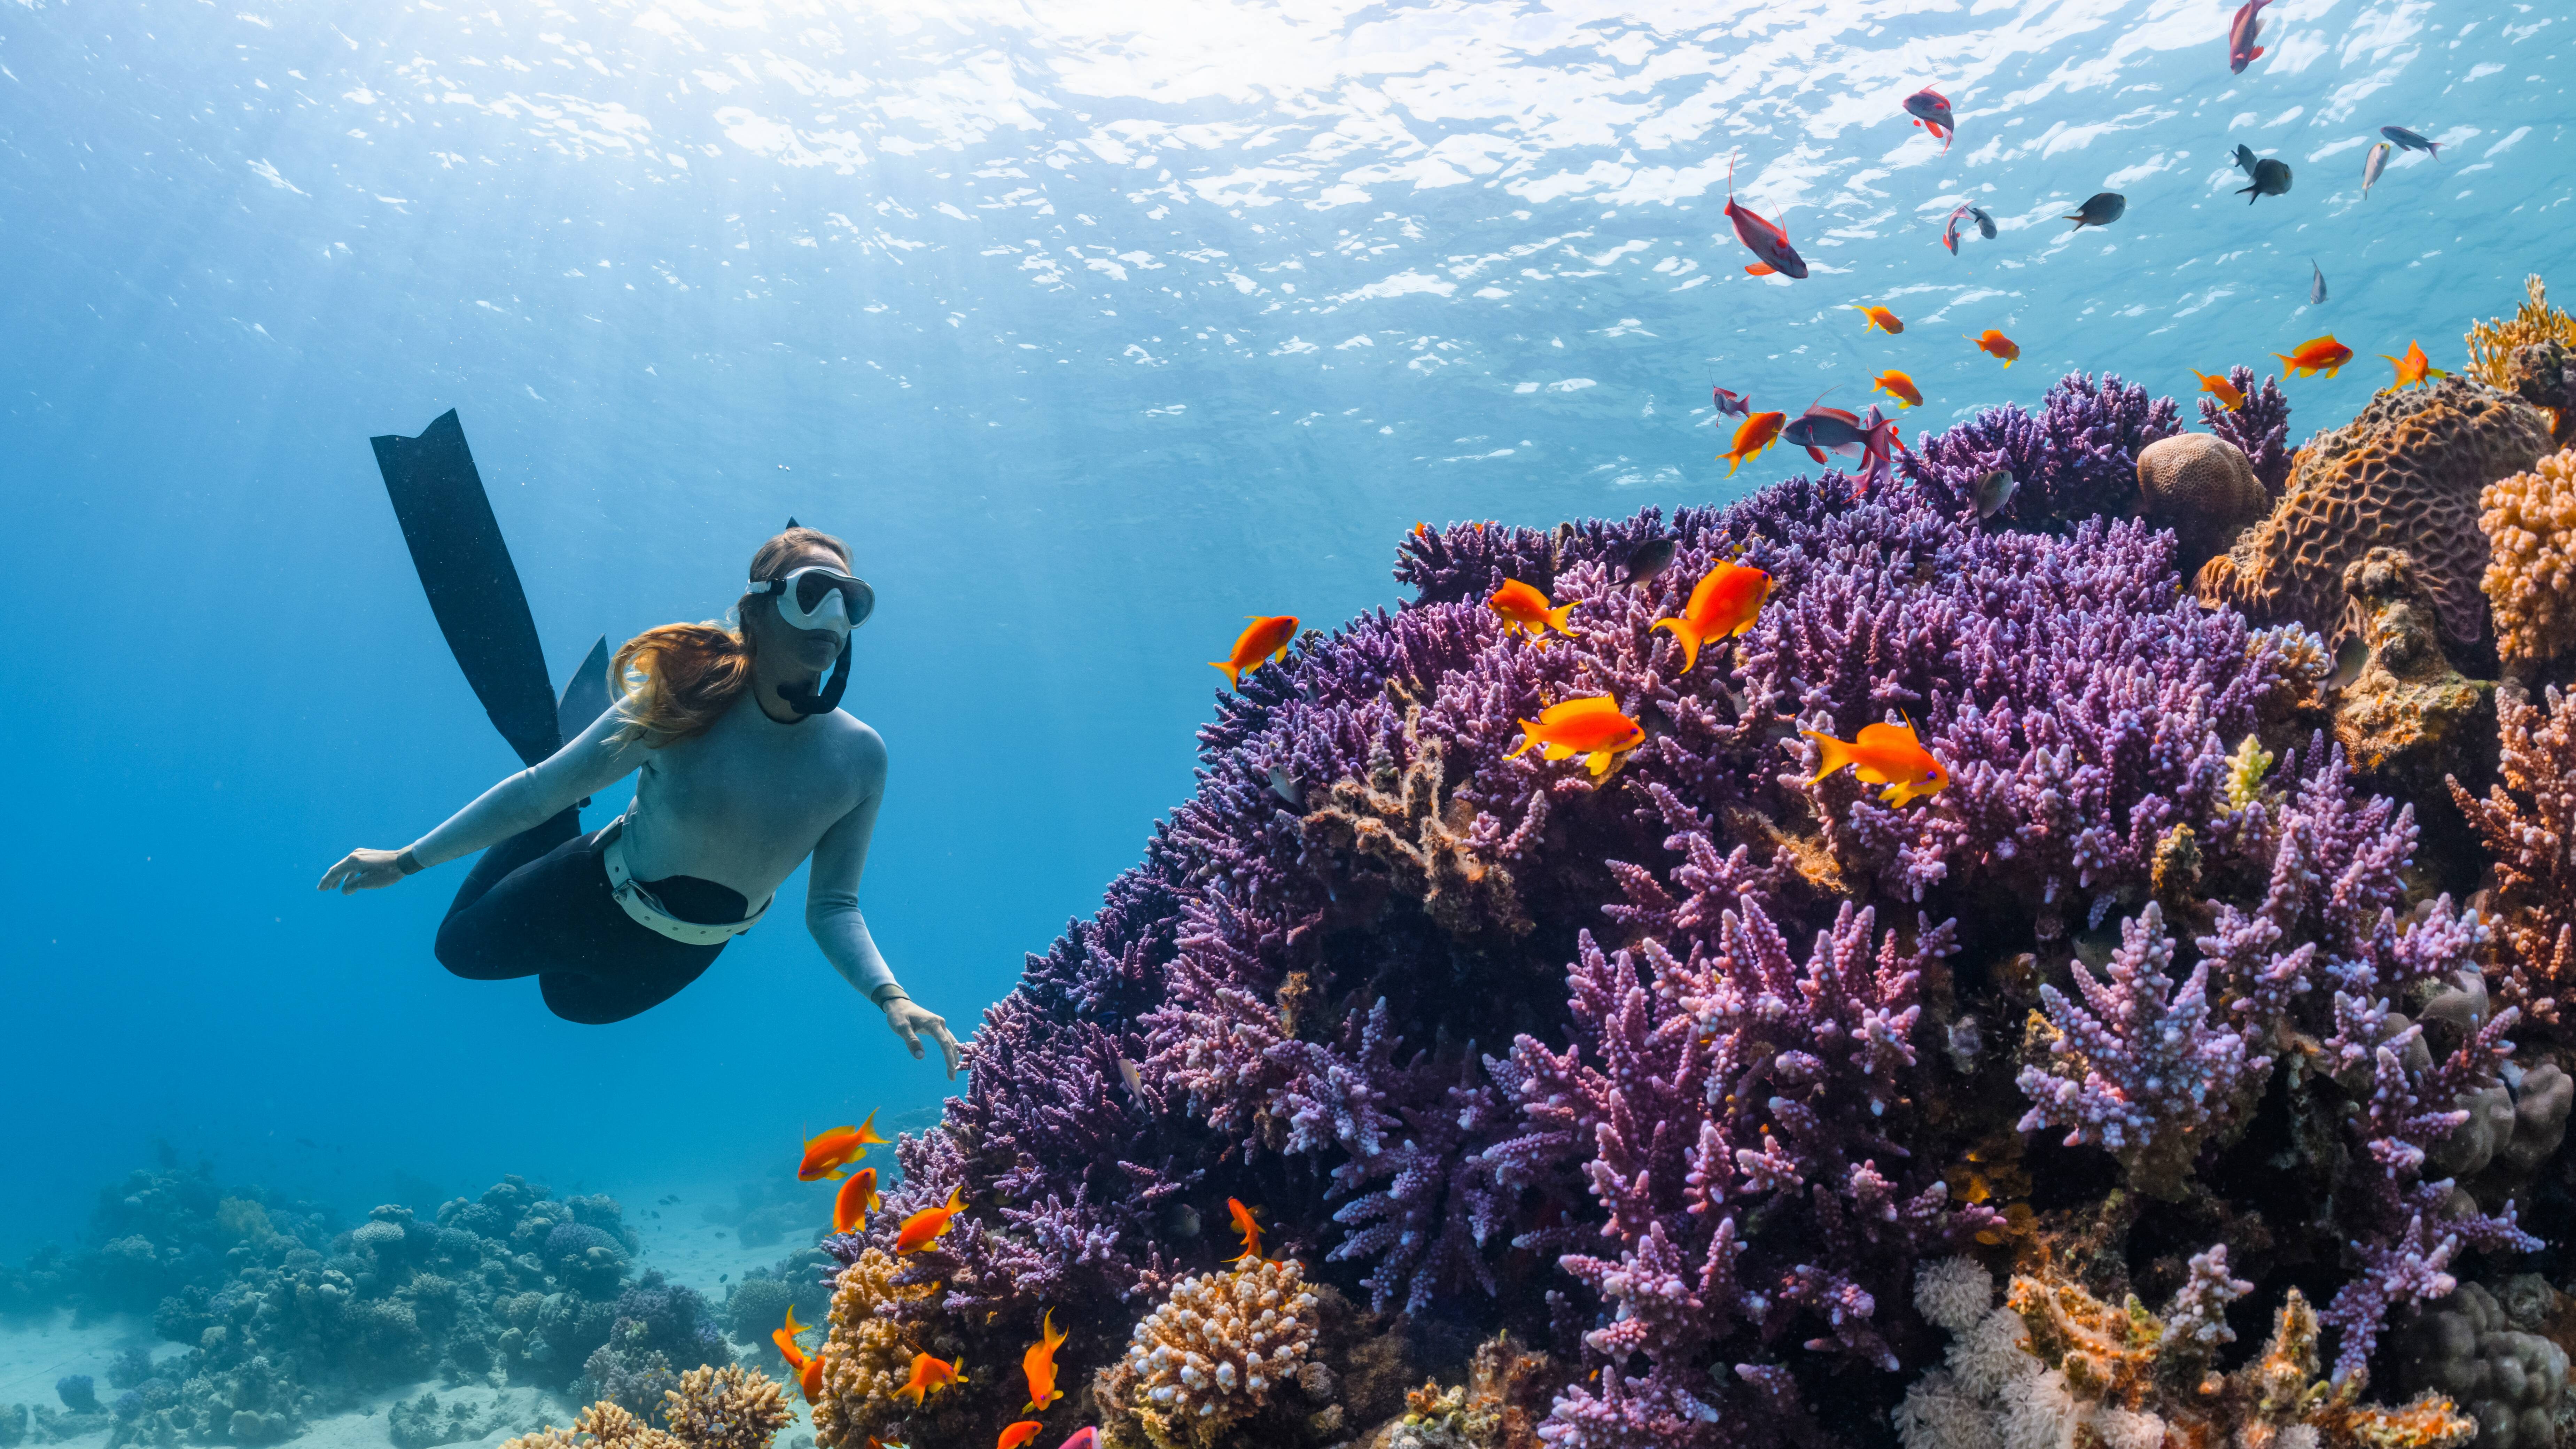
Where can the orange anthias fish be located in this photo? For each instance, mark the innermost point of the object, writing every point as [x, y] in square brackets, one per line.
[1525, 611]
[785, 1338]
[1267, 639]
[2413, 368]
[1752, 436]
[829, 1154]
[2317, 354]
[1018, 1434]
[809, 1378]
[1898, 386]
[857, 1199]
[1721, 607]
[1880, 318]
[1039, 1364]
[1995, 344]
[924, 1227]
[1884, 754]
[1242, 1216]
[929, 1376]
[1592, 727]
[2229, 397]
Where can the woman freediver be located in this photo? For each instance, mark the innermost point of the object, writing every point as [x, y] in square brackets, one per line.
[749, 766]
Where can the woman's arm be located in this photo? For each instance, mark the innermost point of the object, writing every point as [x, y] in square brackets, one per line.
[591, 763]
[832, 914]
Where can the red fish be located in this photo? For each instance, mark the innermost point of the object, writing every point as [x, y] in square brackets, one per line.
[2317, 354]
[1266, 640]
[1950, 228]
[924, 1227]
[1931, 110]
[1724, 604]
[1880, 318]
[1018, 1434]
[1590, 727]
[1756, 433]
[1878, 441]
[2241, 33]
[1995, 344]
[1898, 386]
[1251, 1231]
[2227, 393]
[1526, 611]
[1763, 238]
[1730, 404]
[829, 1154]
[929, 1376]
[1884, 754]
[1039, 1364]
[857, 1199]
[2413, 368]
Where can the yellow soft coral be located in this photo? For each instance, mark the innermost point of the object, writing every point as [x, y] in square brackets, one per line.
[2530, 523]
[868, 1353]
[2491, 343]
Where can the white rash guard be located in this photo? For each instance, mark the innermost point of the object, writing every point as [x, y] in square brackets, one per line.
[740, 805]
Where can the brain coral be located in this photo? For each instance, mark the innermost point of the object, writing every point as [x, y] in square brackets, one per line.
[2405, 474]
[2530, 523]
[2201, 487]
[1212, 1353]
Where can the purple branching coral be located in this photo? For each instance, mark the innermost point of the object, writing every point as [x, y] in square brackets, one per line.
[2139, 1067]
[1495, 1039]
[2260, 428]
[2075, 458]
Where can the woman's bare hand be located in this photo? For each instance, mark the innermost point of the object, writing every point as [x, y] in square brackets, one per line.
[368, 870]
[912, 1021]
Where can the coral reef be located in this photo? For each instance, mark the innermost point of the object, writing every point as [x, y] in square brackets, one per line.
[2530, 581]
[2078, 457]
[2410, 720]
[1210, 1356]
[726, 1408]
[2203, 489]
[2511, 354]
[2404, 474]
[756, 1303]
[2527, 821]
[867, 1352]
[2509, 1382]
[2260, 429]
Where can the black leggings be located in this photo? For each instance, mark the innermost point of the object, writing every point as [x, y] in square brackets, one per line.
[538, 904]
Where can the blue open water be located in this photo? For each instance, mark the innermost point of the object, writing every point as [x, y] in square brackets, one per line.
[1094, 327]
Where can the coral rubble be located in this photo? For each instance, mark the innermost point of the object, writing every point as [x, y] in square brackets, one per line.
[2405, 474]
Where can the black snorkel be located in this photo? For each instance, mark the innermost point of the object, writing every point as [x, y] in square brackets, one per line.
[806, 700]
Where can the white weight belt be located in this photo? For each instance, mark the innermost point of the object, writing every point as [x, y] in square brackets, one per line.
[647, 912]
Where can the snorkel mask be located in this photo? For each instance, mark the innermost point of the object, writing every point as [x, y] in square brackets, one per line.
[816, 597]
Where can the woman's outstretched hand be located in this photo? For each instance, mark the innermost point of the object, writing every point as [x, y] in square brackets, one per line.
[912, 1022]
[370, 870]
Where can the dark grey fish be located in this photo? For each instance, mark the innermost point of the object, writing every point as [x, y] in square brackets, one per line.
[1994, 489]
[1815, 429]
[1181, 1220]
[1649, 559]
[2245, 158]
[2316, 288]
[2411, 141]
[1287, 787]
[2100, 209]
[2350, 660]
[2271, 178]
[1985, 223]
[2377, 163]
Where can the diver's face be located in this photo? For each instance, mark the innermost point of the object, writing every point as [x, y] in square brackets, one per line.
[808, 651]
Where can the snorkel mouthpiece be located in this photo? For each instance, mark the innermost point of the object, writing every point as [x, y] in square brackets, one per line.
[806, 700]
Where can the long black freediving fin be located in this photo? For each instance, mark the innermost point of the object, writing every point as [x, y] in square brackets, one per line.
[585, 694]
[473, 589]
